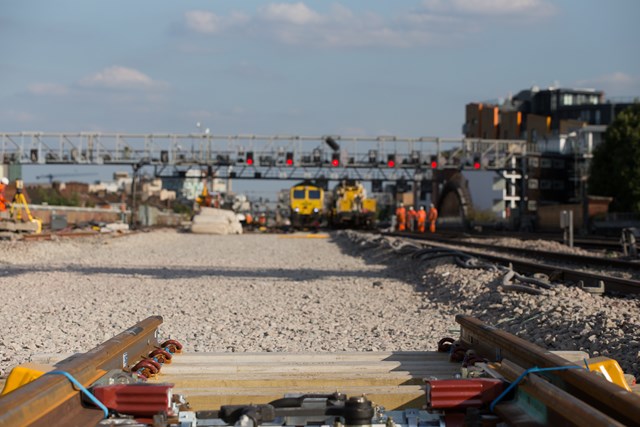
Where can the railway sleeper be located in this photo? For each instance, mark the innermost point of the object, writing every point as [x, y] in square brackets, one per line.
[494, 379]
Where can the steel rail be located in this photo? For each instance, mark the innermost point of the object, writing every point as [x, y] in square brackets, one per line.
[50, 236]
[563, 256]
[612, 284]
[606, 397]
[585, 242]
[52, 400]
[562, 407]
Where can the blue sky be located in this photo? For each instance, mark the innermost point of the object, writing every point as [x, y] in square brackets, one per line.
[352, 68]
[357, 67]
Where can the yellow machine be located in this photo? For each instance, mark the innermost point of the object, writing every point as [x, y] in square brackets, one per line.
[351, 207]
[20, 218]
[306, 201]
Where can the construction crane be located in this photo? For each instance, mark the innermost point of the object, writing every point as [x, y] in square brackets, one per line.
[20, 218]
[51, 176]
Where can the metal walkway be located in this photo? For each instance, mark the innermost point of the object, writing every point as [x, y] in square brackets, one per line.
[264, 156]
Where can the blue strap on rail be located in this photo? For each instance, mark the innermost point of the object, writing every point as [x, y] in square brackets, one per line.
[524, 374]
[83, 389]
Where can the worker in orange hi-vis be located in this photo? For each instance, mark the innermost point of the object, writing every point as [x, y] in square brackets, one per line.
[432, 216]
[422, 219]
[401, 217]
[412, 218]
[3, 202]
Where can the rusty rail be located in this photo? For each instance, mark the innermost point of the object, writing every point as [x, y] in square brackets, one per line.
[598, 393]
[53, 398]
[567, 257]
[612, 283]
[562, 407]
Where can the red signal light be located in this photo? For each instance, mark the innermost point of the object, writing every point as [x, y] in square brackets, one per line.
[391, 160]
[289, 162]
[335, 159]
[434, 164]
[249, 161]
[250, 158]
[476, 165]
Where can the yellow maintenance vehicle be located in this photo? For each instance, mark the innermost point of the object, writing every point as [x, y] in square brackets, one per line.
[306, 202]
[19, 219]
[350, 207]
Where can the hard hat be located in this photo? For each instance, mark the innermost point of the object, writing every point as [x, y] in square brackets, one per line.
[4, 180]
[421, 208]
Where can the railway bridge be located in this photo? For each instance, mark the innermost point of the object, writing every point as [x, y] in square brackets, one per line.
[417, 164]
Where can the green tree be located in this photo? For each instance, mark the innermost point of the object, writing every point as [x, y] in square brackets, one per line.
[615, 168]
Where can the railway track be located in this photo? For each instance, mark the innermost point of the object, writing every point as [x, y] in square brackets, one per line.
[586, 242]
[564, 257]
[552, 264]
[485, 376]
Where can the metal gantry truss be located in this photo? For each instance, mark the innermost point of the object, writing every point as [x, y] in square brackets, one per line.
[310, 157]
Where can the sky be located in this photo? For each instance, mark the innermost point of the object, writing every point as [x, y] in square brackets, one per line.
[358, 67]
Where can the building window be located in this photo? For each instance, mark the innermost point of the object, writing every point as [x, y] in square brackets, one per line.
[597, 118]
[545, 184]
[558, 185]
[533, 162]
[558, 164]
[584, 115]
[567, 99]
[554, 102]
[532, 205]
[546, 163]
[533, 184]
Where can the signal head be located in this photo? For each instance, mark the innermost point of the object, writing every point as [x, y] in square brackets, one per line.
[335, 159]
[391, 160]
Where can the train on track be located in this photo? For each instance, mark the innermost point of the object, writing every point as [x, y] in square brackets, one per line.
[349, 206]
[307, 205]
[346, 206]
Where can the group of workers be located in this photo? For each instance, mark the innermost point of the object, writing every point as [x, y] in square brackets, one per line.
[413, 220]
[258, 222]
[3, 201]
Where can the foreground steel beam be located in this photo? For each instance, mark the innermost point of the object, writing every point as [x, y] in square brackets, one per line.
[52, 399]
[599, 393]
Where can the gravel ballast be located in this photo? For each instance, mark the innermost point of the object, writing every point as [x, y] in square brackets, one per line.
[277, 293]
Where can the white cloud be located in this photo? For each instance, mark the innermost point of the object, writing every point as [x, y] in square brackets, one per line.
[205, 22]
[616, 83]
[296, 13]
[118, 77]
[202, 21]
[526, 8]
[617, 78]
[47, 89]
[298, 25]
[439, 22]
